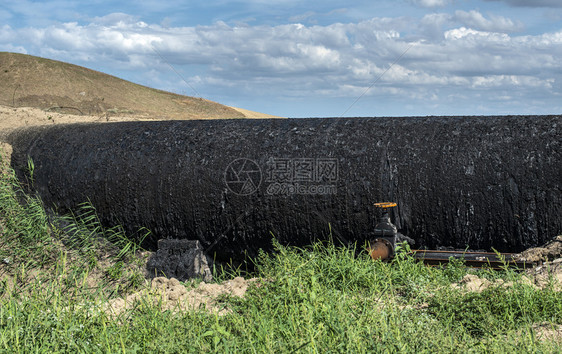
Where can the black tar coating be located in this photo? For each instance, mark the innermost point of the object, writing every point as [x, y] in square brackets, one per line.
[480, 182]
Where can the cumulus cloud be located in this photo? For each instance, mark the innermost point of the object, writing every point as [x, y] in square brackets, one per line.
[473, 56]
[475, 19]
[433, 25]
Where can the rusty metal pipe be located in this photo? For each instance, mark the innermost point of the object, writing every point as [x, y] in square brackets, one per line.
[379, 249]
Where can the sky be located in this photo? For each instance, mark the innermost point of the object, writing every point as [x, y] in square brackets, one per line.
[296, 58]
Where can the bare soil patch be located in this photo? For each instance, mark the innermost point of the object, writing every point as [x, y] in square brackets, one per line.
[252, 114]
[13, 118]
[174, 296]
[548, 260]
[550, 251]
[548, 332]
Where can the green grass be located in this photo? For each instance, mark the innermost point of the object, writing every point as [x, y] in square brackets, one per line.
[319, 299]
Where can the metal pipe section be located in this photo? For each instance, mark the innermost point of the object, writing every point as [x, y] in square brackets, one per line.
[380, 249]
[233, 185]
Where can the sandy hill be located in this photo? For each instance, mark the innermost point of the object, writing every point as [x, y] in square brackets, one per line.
[58, 87]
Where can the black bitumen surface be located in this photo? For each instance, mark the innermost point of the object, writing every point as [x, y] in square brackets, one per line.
[480, 182]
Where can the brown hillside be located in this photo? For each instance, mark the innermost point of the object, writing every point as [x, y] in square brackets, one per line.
[54, 86]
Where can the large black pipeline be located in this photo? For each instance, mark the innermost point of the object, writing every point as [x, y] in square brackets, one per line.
[480, 182]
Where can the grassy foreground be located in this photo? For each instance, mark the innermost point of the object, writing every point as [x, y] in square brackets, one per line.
[56, 274]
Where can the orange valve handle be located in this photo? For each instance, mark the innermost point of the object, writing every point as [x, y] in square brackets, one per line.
[385, 205]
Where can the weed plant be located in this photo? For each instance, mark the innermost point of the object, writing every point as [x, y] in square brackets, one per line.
[57, 272]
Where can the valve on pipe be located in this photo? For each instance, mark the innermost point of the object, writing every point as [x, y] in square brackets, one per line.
[386, 234]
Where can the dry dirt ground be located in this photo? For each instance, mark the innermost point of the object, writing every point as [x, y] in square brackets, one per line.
[549, 252]
[174, 296]
[547, 261]
[12, 118]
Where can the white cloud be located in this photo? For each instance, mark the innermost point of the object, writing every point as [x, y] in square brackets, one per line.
[434, 25]
[299, 61]
[493, 81]
[475, 19]
[470, 34]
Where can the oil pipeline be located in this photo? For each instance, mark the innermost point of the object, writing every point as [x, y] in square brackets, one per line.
[479, 182]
